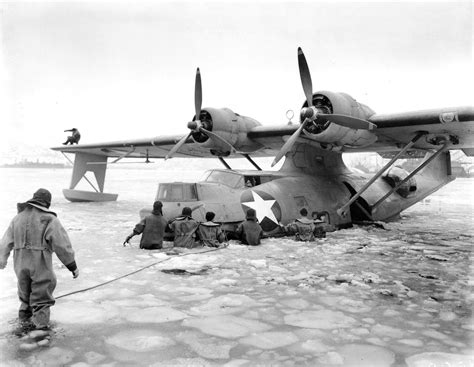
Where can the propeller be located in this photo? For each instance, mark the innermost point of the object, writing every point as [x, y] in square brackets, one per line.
[196, 125]
[289, 143]
[311, 113]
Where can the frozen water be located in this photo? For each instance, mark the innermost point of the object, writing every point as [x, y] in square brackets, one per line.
[270, 340]
[226, 326]
[439, 359]
[366, 355]
[139, 340]
[364, 296]
[324, 319]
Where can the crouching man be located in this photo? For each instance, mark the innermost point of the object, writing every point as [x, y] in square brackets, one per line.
[34, 234]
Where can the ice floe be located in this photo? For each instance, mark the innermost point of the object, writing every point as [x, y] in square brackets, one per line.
[139, 340]
[154, 315]
[358, 355]
[226, 326]
[439, 359]
[270, 340]
[322, 319]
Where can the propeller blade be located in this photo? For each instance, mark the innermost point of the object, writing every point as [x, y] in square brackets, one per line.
[348, 121]
[305, 77]
[289, 143]
[217, 138]
[198, 94]
[177, 146]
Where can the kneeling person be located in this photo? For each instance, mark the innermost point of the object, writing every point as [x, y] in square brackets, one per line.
[209, 232]
[152, 228]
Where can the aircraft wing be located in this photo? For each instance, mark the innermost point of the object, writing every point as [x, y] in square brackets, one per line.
[157, 147]
[393, 130]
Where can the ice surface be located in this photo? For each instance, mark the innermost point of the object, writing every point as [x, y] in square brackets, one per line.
[270, 340]
[226, 326]
[207, 347]
[363, 292]
[323, 319]
[154, 315]
[140, 340]
[439, 359]
[366, 355]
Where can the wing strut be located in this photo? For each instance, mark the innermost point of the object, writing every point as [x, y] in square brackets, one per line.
[415, 171]
[342, 211]
[85, 178]
[224, 163]
[252, 161]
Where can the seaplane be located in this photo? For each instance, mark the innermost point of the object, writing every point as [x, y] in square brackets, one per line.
[313, 175]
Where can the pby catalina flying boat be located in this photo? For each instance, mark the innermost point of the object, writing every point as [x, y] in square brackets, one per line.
[313, 174]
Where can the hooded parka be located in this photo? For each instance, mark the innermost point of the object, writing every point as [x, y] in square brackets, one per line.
[184, 229]
[152, 228]
[34, 234]
[250, 232]
[302, 228]
[210, 234]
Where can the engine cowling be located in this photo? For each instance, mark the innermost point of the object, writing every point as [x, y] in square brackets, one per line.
[334, 136]
[230, 126]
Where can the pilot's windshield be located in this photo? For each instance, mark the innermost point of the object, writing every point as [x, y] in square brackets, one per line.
[227, 178]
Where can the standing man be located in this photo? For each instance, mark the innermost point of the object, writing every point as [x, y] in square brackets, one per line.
[184, 229]
[152, 228]
[33, 235]
[250, 232]
[209, 232]
[74, 138]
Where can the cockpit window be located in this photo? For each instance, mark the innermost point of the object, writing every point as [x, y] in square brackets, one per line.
[177, 192]
[227, 178]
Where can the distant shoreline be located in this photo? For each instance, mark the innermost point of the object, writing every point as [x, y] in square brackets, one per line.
[35, 165]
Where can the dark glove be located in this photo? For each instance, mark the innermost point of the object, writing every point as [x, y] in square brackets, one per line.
[129, 237]
[75, 273]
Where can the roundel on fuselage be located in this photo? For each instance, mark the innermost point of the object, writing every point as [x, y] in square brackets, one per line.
[267, 208]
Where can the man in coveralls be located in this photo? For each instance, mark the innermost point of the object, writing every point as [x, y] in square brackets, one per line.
[33, 235]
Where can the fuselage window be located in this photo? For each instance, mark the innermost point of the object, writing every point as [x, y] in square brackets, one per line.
[176, 192]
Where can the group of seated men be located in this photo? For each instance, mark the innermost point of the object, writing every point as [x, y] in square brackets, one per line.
[189, 233]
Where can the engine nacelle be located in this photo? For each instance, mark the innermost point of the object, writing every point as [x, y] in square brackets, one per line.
[230, 126]
[334, 136]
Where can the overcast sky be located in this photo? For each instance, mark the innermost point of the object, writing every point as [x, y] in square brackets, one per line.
[118, 71]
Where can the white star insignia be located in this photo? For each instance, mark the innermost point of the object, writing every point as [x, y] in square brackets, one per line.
[262, 207]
